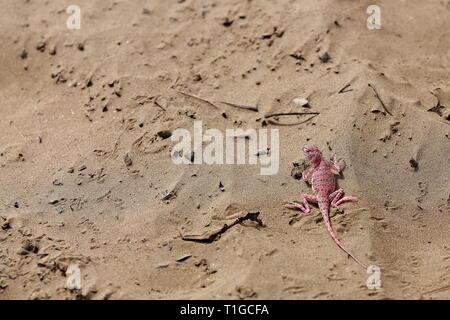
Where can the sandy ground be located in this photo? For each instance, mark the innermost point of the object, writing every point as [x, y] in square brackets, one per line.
[83, 169]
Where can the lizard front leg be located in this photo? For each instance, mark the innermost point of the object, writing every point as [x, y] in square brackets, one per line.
[335, 167]
[303, 205]
[336, 200]
[307, 174]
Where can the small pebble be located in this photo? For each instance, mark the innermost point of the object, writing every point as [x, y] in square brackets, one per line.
[24, 54]
[414, 164]
[127, 160]
[40, 46]
[162, 265]
[300, 102]
[164, 134]
[183, 257]
[57, 183]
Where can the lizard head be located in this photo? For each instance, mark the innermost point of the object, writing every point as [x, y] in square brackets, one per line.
[313, 153]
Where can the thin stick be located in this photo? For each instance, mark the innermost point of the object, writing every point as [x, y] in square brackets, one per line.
[379, 98]
[289, 114]
[343, 89]
[438, 290]
[240, 106]
[160, 106]
[208, 238]
[290, 124]
[437, 107]
[198, 98]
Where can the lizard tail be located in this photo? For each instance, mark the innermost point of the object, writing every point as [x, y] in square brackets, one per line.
[324, 206]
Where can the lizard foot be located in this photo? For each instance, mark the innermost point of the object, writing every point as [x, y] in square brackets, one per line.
[336, 199]
[296, 205]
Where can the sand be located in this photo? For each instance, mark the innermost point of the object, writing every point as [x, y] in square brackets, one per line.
[83, 169]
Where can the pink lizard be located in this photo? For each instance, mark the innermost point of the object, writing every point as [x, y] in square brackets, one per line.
[321, 173]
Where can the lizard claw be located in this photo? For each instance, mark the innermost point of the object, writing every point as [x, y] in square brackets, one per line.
[296, 205]
[293, 205]
[339, 162]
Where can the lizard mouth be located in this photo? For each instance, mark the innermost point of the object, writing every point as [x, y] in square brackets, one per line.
[312, 153]
[306, 151]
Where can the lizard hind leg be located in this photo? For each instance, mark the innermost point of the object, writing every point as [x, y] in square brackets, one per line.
[336, 199]
[303, 206]
[304, 198]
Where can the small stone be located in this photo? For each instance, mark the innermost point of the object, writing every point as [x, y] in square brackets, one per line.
[29, 246]
[300, 102]
[164, 134]
[183, 257]
[127, 160]
[227, 22]
[162, 45]
[162, 265]
[6, 225]
[171, 195]
[211, 271]
[324, 58]
[24, 54]
[40, 46]
[414, 164]
[53, 202]
[146, 11]
[57, 183]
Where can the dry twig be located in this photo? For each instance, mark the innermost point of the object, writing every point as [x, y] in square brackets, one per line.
[379, 99]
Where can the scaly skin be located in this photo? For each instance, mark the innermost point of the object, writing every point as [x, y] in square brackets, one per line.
[321, 174]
